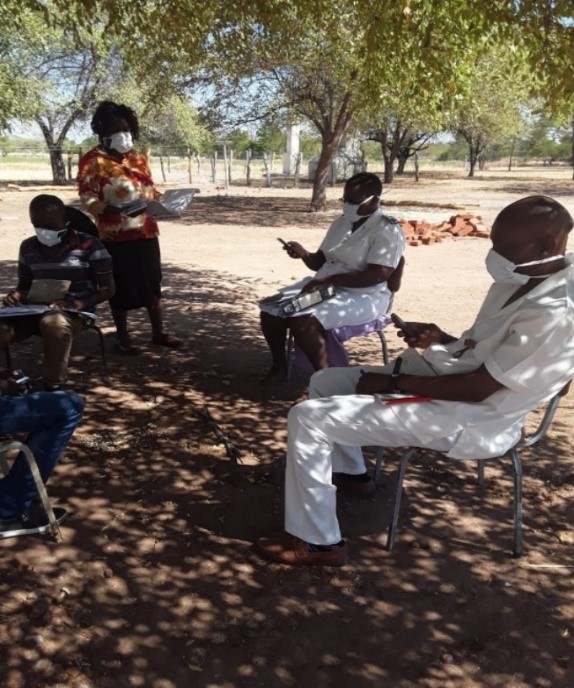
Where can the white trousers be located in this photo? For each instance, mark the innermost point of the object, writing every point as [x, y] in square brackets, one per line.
[325, 435]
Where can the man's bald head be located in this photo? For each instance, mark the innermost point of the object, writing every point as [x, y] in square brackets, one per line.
[537, 214]
[534, 228]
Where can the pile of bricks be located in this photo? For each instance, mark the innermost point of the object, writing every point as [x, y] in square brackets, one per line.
[423, 232]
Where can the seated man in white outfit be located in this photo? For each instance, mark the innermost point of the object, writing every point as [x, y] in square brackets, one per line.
[517, 355]
[357, 256]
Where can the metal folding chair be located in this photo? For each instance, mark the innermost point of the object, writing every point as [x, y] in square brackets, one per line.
[12, 445]
[527, 441]
[90, 326]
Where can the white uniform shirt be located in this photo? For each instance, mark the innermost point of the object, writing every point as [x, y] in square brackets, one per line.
[379, 240]
[528, 346]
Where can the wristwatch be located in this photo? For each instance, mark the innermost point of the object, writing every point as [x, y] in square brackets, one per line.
[395, 376]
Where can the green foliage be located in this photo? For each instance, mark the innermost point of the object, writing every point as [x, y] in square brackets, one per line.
[490, 107]
[309, 145]
[173, 124]
[270, 139]
[239, 141]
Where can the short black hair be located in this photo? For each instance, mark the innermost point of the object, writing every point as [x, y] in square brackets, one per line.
[107, 111]
[43, 201]
[366, 180]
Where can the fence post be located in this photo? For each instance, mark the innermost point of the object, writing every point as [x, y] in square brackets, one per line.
[69, 161]
[162, 168]
[416, 167]
[189, 175]
[225, 168]
[213, 167]
[230, 164]
[267, 171]
[248, 167]
[298, 161]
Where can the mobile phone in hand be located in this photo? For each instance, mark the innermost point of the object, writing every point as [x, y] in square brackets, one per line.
[285, 244]
[401, 324]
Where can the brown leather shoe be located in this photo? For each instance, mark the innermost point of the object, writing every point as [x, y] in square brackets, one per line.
[285, 548]
[356, 488]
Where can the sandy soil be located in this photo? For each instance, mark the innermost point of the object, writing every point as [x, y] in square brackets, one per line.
[155, 583]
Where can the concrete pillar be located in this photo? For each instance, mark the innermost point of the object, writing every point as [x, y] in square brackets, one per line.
[291, 148]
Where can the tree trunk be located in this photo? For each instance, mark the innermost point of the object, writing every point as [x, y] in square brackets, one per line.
[58, 166]
[330, 141]
[572, 146]
[328, 149]
[472, 157]
[402, 161]
[389, 165]
[511, 154]
[55, 143]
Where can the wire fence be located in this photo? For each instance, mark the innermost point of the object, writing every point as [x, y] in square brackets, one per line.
[27, 166]
[167, 167]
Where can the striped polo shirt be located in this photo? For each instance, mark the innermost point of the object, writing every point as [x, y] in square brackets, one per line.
[80, 259]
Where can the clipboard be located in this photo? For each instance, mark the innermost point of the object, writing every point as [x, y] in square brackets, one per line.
[48, 290]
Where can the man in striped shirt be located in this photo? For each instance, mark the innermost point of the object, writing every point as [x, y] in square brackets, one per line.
[57, 252]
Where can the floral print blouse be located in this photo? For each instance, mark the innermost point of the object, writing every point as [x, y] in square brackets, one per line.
[103, 181]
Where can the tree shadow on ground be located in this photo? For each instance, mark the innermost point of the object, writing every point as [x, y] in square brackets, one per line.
[156, 583]
[262, 211]
[533, 185]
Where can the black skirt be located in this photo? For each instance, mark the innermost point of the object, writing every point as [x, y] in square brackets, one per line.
[137, 273]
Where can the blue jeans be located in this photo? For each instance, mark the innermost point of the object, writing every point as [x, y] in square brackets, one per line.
[49, 419]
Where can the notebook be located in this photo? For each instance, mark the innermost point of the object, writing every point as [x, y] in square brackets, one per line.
[48, 290]
[172, 203]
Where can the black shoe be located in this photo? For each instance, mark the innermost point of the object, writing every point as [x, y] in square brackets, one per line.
[33, 522]
[274, 375]
[355, 485]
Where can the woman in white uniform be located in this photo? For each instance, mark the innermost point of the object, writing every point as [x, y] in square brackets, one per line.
[359, 253]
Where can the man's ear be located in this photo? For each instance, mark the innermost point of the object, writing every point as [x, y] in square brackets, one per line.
[548, 246]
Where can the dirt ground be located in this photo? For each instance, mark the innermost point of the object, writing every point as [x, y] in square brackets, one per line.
[156, 585]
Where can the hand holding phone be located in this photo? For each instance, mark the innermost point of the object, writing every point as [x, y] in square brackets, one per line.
[401, 324]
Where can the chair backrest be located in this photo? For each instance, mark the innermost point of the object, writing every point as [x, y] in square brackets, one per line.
[547, 418]
[394, 281]
[81, 222]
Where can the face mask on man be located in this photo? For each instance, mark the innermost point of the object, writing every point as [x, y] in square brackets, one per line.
[503, 270]
[122, 142]
[49, 237]
[350, 209]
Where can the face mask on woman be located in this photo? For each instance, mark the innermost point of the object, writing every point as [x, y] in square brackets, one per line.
[503, 270]
[49, 237]
[350, 209]
[122, 142]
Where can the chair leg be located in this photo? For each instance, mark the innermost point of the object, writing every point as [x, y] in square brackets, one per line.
[405, 458]
[98, 331]
[480, 470]
[4, 465]
[8, 357]
[290, 354]
[517, 470]
[378, 465]
[20, 446]
[384, 347]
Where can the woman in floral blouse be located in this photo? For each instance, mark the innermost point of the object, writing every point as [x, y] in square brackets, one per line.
[109, 176]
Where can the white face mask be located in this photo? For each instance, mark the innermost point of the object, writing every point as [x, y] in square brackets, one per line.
[503, 270]
[350, 210]
[122, 142]
[49, 237]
